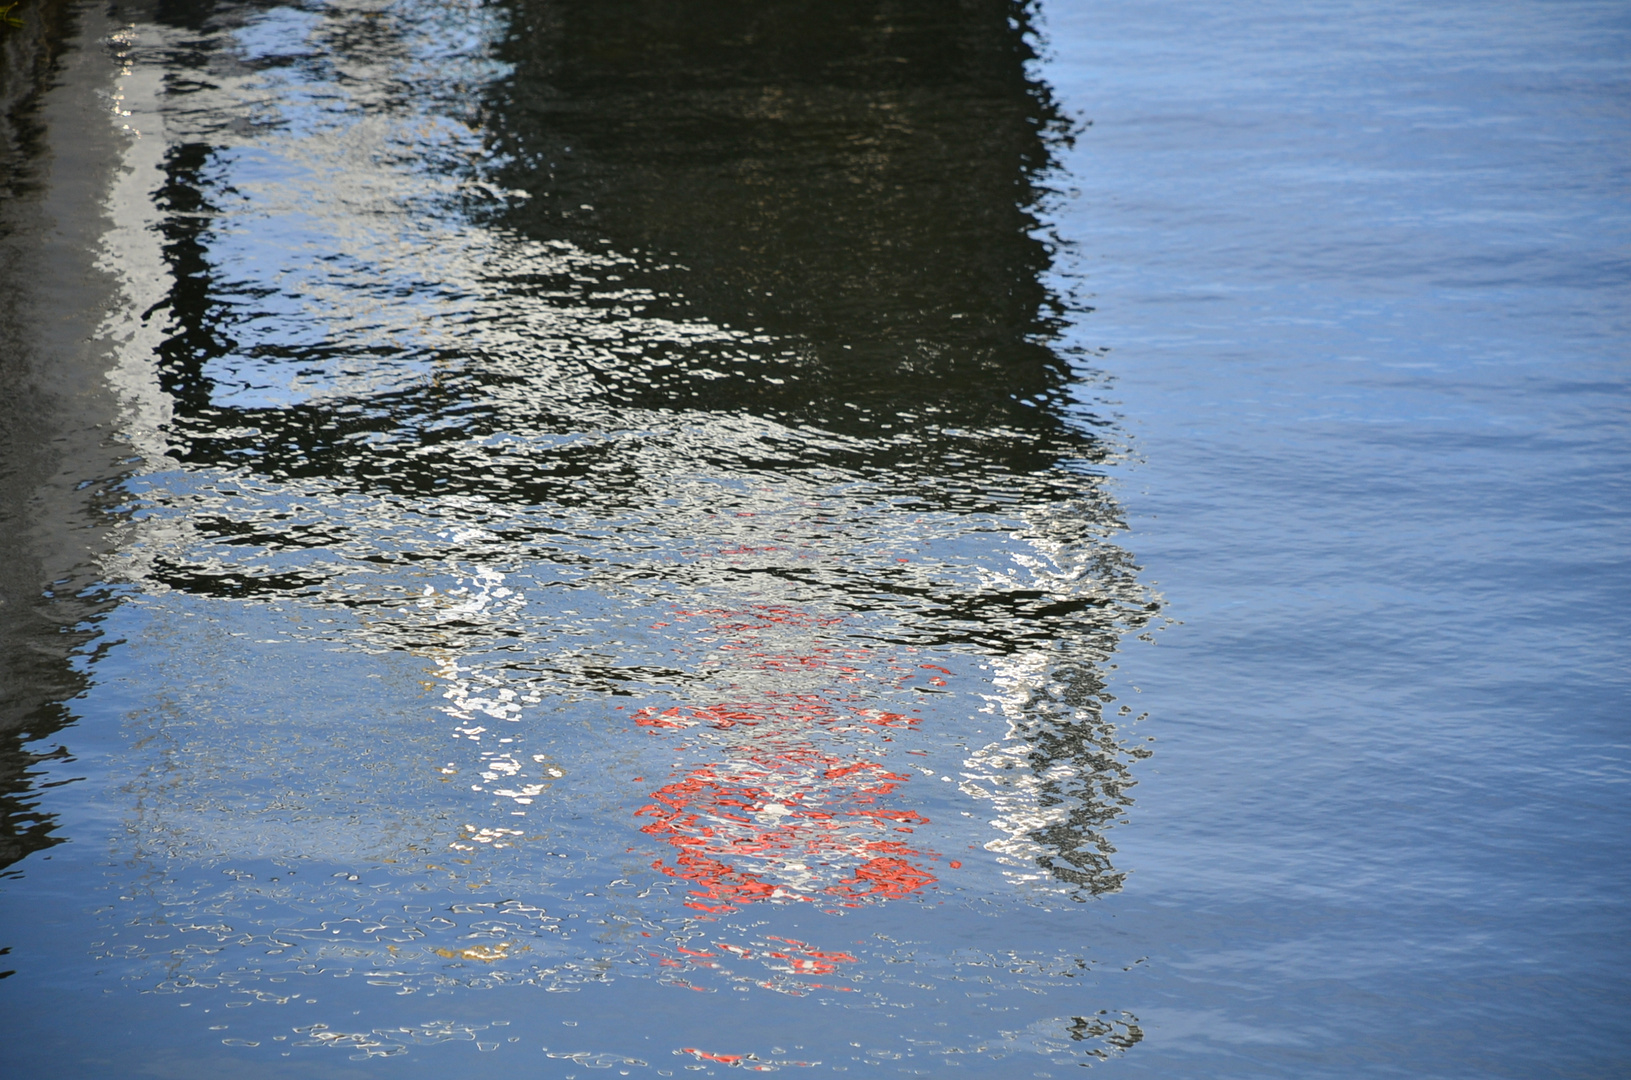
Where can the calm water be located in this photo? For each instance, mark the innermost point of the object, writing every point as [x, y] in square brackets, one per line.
[552, 537]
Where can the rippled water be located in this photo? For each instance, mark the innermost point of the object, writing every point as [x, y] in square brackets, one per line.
[597, 536]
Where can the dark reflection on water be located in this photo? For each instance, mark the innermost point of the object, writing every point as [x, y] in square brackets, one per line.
[608, 514]
[59, 469]
[856, 179]
[845, 242]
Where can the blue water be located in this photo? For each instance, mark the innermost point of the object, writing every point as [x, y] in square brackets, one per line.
[1362, 269]
[625, 544]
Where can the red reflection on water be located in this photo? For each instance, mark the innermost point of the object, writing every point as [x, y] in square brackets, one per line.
[783, 817]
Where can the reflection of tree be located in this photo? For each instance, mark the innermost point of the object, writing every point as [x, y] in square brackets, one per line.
[1085, 777]
[1061, 776]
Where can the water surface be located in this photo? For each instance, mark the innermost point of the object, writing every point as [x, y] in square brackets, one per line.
[604, 536]
[612, 537]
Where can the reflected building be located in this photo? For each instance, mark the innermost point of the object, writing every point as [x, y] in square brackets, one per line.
[606, 290]
[597, 495]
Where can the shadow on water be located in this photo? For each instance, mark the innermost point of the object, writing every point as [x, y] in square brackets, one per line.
[612, 372]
